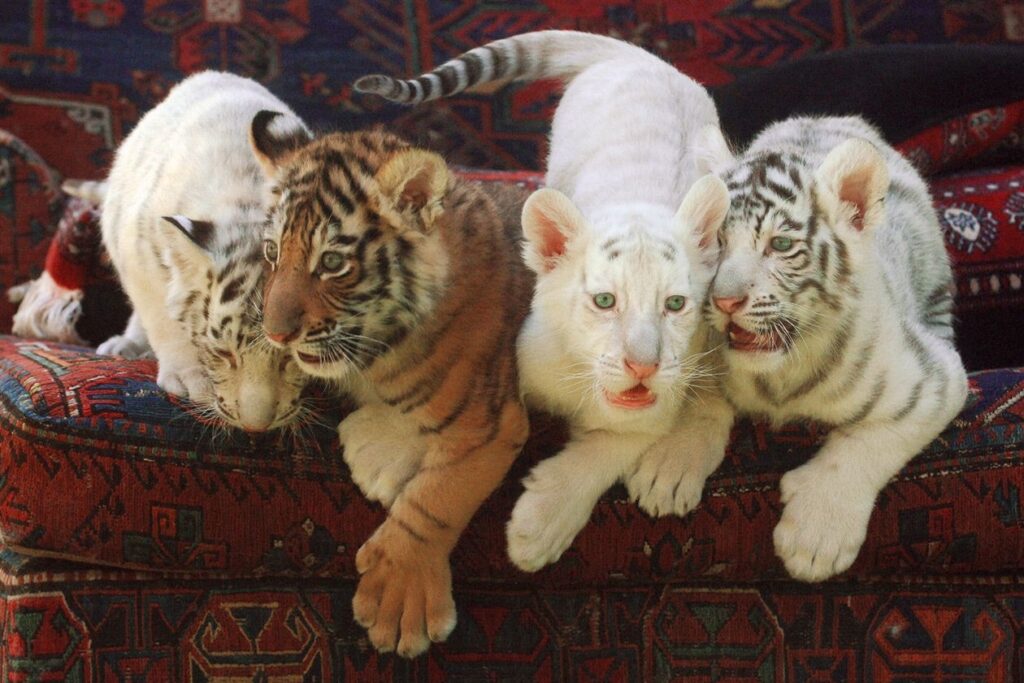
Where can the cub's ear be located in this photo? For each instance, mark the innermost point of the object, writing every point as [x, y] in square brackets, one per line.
[275, 137]
[851, 184]
[711, 152]
[413, 183]
[550, 221]
[200, 233]
[702, 213]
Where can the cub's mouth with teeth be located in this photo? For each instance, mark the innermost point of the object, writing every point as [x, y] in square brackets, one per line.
[741, 339]
[635, 398]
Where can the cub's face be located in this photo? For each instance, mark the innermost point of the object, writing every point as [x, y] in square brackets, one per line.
[351, 247]
[622, 295]
[791, 247]
[255, 386]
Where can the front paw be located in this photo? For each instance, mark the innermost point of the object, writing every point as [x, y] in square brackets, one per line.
[404, 598]
[824, 521]
[665, 483]
[545, 520]
[382, 461]
[124, 347]
[190, 383]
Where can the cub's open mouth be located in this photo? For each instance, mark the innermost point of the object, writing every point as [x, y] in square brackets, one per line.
[632, 399]
[309, 358]
[745, 340]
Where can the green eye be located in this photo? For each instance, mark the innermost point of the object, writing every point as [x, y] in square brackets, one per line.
[675, 303]
[781, 243]
[332, 262]
[604, 300]
[270, 251]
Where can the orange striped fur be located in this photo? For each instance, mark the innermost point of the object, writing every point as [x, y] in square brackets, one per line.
[420, 325]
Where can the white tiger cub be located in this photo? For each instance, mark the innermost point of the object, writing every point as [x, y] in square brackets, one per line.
[182, 220]
[614, 340]
[834, 291]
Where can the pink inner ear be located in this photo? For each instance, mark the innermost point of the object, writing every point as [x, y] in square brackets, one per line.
[414, 197]
[854, 192]
[552, 240]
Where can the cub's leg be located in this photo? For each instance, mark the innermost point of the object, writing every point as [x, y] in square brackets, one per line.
[404, 597]
[131, 344]
[669, 476]
[179, 371]
[828, 501]
[561, 493]
[383, 448]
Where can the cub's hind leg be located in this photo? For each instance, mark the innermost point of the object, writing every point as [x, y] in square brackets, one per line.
[383, 448]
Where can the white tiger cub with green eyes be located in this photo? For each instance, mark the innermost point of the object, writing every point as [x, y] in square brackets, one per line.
[834, 292]
[182, 220]
[614, 340]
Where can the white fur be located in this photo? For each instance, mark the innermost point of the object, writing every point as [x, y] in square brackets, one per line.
[191, 156]
[619, 169]
[887, 394]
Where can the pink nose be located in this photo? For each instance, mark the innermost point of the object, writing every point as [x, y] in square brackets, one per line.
[639, 370]
[729, 304]
[281, 337]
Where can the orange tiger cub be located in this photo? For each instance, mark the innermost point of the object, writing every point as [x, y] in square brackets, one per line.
[403, 283]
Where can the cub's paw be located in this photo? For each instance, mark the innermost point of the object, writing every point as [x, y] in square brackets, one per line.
[824, 521]
[404, 597]
[124, 347]
[665, 483]
[382, 459]
[545, 520]
[190, 383]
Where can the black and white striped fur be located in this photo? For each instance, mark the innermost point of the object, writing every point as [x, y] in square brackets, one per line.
[183, 214]
[527, 57]
[833, 292]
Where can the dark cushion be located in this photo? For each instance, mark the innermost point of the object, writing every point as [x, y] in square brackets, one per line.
[98, 465]
[903, 89]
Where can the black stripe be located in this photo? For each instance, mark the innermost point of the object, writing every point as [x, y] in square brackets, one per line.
[842, 340]
[439, 523]
[233, 289]
[448, 74]
[912, 401]
[869, 405]
[783, 192]
[474, 67]
[497, 62]
[408, 529]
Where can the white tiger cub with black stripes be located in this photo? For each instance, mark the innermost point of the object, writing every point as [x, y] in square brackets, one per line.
[834, 291]
[622, 245]
[182, 220]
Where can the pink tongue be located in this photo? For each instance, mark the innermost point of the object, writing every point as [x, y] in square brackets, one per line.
[639, 391]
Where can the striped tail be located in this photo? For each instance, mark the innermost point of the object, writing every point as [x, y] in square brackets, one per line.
[90, 190]
[526, 57]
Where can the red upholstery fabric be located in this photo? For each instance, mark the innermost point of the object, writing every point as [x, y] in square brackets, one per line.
[988, 135]
[152, 493]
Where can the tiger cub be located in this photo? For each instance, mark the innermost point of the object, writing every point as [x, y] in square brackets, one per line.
[619, 239]
[834, 294]
[182, 219]
[396, 279]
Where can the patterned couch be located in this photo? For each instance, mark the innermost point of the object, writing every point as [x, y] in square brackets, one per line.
[141, 545]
